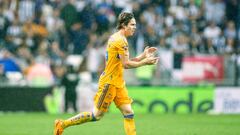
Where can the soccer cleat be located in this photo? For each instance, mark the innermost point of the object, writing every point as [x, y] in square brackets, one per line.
[58, 129]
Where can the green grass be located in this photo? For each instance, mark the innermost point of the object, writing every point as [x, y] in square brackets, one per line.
[112, 124]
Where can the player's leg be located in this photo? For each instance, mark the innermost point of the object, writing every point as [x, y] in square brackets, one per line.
[129, 123]
[123, 102]
[81, 118]
[103, 99]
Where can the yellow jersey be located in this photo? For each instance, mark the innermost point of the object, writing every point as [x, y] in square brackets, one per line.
[113, 72]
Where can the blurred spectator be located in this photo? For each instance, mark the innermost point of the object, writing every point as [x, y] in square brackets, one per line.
[164, 66]
[23, 57]
[69, 15]
[162, 44]
[102, 19]
[219, 43]
[180, 47]
[196, 43]
[15, 34]
[80, 39]
[179, 11]
[40, 28]
[193, 10]
[136, 10]
[55, 27]
[35, 33]
[70, 81]
[230, 30]
[9, 8]
[230, 45]
[211, 6]
[212, 31]
[56, 54]
[161, 6]
[8, 62]
[150, 16]
[87, 17]
[150, 37]
[29, 35]
[42, 55]
[59, 70]
[232, 10]
[4, 23]
[210, 48]
[26, 10]
[39, 74]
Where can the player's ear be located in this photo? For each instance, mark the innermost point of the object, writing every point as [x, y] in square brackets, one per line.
[124, 26]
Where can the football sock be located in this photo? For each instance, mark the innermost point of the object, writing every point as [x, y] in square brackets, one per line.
[129, 124]
[79, 119]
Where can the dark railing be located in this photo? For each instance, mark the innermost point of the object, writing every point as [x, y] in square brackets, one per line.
[30, 99]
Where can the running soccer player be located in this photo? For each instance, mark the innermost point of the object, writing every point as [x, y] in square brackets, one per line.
[111, 83]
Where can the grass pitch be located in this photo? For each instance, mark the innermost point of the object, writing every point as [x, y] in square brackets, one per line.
[112, 124]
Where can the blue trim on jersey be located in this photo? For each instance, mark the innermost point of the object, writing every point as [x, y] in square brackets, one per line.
[103, 73]
[106, 56]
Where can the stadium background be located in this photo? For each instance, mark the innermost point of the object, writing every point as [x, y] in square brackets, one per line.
[198, 73]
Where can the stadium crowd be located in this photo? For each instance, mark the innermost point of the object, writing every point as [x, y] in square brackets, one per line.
[37, 37]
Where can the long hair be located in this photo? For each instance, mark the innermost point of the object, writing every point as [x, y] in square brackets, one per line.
[123, 19]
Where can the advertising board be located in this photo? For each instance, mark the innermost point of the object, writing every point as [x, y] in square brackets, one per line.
[199, 68]
[227, 100]
[171, 99]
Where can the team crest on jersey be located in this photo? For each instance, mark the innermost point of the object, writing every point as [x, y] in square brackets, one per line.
[118, 56]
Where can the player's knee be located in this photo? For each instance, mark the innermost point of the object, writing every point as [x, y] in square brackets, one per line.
[98, 115]
[127, 112]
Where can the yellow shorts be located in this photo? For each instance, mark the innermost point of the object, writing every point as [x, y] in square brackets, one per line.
[108, 93]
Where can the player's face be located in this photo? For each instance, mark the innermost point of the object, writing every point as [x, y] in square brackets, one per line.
[131, 27]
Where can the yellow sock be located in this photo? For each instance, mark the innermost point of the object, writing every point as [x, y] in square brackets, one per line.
[129, 125]
[79, 119]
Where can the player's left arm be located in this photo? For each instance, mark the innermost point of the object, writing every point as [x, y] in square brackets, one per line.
[148, 51]
[128, 63]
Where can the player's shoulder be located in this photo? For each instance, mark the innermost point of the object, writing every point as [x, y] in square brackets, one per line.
[117, 39]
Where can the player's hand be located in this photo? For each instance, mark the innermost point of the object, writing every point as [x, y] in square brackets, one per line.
[151, 60]
[149, 51]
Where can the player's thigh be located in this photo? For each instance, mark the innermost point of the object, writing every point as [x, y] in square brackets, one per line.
[122, 97]
[104, 97]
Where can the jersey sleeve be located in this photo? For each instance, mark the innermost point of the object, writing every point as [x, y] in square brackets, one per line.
[122, 47]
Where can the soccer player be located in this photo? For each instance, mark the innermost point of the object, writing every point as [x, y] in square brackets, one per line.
[111, 83]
